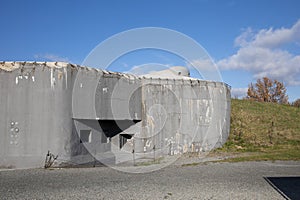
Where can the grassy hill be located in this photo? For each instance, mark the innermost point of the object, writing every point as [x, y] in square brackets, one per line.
[263, 131]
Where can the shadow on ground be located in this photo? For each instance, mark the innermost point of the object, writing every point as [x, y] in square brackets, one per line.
[288, 187]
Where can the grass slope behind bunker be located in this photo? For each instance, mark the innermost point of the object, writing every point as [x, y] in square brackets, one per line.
[263, 131]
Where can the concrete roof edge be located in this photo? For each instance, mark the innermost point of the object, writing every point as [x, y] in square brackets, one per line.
[10, 66]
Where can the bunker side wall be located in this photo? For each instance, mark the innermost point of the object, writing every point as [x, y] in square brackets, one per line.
[35, 114]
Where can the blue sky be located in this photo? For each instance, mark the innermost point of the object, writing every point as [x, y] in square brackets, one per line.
[247, 39]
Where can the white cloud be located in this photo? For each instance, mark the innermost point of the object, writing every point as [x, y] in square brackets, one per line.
[51, 57]
[238, 92]
[274, 38]
[202, 65]
[205, 68]
[263, 55]
[242, 40]
[269, 38]
[147, 68]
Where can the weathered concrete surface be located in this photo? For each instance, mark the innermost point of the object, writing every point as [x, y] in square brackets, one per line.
[106, 95]
[83, 115]
[179, 116]
[36, 114]
[184, 114]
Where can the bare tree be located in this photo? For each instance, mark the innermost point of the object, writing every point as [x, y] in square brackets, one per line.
[296, 103]
[267, 90]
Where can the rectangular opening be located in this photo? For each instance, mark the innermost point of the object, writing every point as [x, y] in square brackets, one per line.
[123, 139]
[85, 136]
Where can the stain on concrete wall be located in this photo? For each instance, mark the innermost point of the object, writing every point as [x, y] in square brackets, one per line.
[48, 106]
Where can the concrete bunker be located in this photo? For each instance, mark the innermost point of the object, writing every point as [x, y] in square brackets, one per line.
[83, 115]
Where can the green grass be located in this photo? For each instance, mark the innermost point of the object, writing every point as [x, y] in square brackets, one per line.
[150, 162]
[190, 164]
[263, 131]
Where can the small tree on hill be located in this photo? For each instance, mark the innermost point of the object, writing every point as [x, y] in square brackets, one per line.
[267, 90]
[296, 103]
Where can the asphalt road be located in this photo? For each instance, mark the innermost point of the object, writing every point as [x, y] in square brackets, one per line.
[245, 180]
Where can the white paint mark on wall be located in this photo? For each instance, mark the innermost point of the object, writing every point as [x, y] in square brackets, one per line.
[207, 112]
[148, 143]
[105, 90]
[52, 79]
[66, 77]
[220, 130]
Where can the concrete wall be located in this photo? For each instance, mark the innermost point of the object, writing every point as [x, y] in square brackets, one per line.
[36, 115]
[82, 114]
[182, 116]
[112, 102]
[106, 95]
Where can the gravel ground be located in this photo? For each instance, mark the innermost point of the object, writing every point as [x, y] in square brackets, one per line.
[244, 180]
